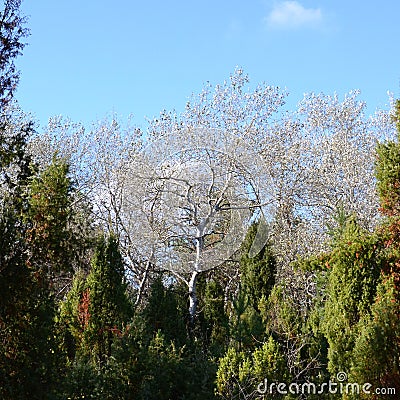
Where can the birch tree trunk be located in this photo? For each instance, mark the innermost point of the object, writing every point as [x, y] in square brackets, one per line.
[193, 298]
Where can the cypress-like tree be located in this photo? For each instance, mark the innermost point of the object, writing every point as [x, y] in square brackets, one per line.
[48, 215]
[27, 349]
[376, 356]
[354, 266]
[12, 31]
[165, 311]
[60, 233]
[104, 301]
[388, 175]
[257, 270]
[214, 319]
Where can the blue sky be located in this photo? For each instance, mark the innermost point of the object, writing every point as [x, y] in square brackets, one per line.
[86, 59]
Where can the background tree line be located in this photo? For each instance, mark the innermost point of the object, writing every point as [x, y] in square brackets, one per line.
[93, 305]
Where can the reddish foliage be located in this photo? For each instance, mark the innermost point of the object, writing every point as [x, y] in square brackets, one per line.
[83, 309]
[116, 331]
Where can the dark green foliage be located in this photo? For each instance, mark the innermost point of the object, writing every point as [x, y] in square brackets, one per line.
[215, 320]
[245, 324]
[29, 363]
[379, 335]
[59, 234]
[257, 278]
[257, 270]
[92, 322]
[49, 211]
[16, 307]
[388, 175]
[163, 370]
[28, 352]
[11, 32]
[104, 309]
[300, 335]
[165, 311]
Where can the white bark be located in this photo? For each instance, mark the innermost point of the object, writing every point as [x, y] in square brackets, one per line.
[201, 174]
[193, 297]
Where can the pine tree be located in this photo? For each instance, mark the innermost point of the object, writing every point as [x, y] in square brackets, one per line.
[60, 231]
[28, 352]
[72, 317]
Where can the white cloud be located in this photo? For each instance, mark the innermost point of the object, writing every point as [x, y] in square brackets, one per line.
[291, 14]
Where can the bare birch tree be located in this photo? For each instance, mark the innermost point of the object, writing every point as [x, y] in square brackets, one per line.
[198, 191]
[175, 193]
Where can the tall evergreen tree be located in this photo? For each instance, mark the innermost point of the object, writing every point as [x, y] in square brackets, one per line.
[214, 319]
[257, 270]
[375, 357]
[165, 311]
[49, 213]
[12, 31]
[388, 175]
[354, 266]
[27, 349]
[104, 308]
[379, 338]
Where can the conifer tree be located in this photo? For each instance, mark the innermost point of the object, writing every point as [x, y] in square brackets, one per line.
[257, 270]
[388, 175]
[354, 266]
[104, 301]
[72, 317]
[27, 349]
[12, 31]
[165, 311]
[214, 318]
[376, 356]
[245, 376]
[49, 212]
